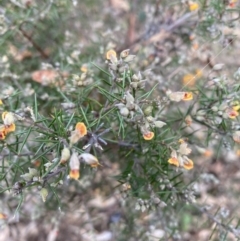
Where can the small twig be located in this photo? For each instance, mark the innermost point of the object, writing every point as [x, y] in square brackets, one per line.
[235, 232]
[29, 38]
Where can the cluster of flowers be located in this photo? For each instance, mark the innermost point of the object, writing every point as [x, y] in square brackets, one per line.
[130, 109]
[8, 124]
[180, 158]
[74, 163]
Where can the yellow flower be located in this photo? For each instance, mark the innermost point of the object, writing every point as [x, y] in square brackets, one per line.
[178, 96]
[188, 96]
[173, 161]
[111, 54]
[8, 118]
[193, 6]
[1, 103]
[84, 68]
[189, 80]
[180, 159]
[148, 136]
[188, 164]
[181, 141]
[236, 105]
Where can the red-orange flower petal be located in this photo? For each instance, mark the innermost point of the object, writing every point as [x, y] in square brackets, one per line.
[148, 136]
[232, 114]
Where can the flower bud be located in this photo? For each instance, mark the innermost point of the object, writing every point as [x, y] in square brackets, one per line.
[148, 110]
[159, 124]
[188, 120]
[74, 166]
[124, 53]
[124, 111]
[129, 58]
[44, 193]
[65, 155]
[135, 78]
[89, 159]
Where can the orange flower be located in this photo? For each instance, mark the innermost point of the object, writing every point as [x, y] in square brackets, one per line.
[208, 153]
[179, 158]
[187, 96]
[79, 132]
[188, 164]
[10, 128]
[232, 114]
[232, 3]
[2, 132]
[195, 46]
[173, 161]
[8, 118]
[148, 136]
[81, 129]
[37, 163]
[74, 174]
[74, 165]
[111, 54]
[3, 216]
